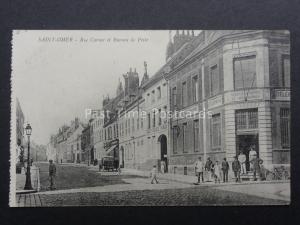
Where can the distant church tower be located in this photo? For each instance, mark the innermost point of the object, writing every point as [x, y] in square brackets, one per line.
[146, 76]
[131, 79]
[119, 88]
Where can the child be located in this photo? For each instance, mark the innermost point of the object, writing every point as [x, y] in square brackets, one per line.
[153, 174]
[217, 172]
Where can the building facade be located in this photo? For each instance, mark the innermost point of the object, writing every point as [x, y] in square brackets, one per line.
[236, 85]
[19, 132]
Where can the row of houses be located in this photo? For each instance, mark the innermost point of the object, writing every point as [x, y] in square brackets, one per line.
[219, 93]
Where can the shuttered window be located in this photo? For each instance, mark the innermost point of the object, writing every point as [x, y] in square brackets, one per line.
[149, 121]
[214, 80]
[285, 127]
[195, 89]
[244, 72]
[216, 131]
[174, 97]
[184, 137]
[196, 135]
[159, 117]
[246, 119]
[286, 64]
[184, 94]
[174, 139]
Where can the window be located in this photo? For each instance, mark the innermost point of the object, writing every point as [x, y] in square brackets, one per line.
[216, 131]
[196, 135]
[184, 94]
[285, 127]
[184, 137]
[174, 96]
[132, 125]
[128, 126]
[286, 64]
[244, 72]
[159, 117]
[214, 81]
[246, 119]
[175, 134]
[195, 89]
[153, 96]
[158, 93]
[149, 121]
[153, 120]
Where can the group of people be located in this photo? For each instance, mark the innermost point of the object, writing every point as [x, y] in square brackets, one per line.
[216, 171]
[213, 171]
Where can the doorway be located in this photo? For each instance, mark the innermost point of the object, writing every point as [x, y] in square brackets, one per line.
[244, 143]
[163, 151]
[122, 164]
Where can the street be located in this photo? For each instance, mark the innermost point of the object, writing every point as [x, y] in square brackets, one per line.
[77, 185]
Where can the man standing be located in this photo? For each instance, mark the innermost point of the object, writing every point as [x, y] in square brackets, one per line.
[236, 167]
[52, 174]
[242, 160]
[256, 166]
[208, 168]
[225, 168]
[199, 170]
[153, 174]
[252, 155]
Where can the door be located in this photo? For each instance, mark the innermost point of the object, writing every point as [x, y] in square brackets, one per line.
[163, 151]
[244, 143]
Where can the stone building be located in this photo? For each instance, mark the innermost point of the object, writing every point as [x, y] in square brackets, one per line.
[132, 149]
[20, 120]
[86, 146]
[155, 95]
[74, 151]
[240, 82]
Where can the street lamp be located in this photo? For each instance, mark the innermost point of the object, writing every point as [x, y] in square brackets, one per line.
[28, 185]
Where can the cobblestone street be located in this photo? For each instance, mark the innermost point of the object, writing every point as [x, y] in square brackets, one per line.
[171, 197]
[100, 189]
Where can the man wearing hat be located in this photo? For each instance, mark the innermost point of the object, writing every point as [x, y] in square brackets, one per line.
[52, 174]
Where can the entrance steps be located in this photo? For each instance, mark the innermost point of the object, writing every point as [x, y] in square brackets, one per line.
[249, 176]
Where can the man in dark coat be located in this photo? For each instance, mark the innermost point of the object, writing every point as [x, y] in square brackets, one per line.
[256, 166]
[225, 168]
[208, 167]
[236, 167]
[52, 174]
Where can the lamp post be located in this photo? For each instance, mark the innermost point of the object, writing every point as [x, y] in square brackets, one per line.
[28, 185]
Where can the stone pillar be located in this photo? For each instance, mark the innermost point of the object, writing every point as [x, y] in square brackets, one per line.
[203, 109]
[265, 133]
[230, 134]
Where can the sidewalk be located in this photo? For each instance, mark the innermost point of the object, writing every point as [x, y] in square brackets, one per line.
[21, 179]
[187, 179]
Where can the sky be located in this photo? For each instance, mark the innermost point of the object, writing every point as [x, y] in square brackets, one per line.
[56, 75]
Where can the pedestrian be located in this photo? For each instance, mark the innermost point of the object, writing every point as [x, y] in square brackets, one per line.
[162, 166]
[119, 170]
[252, 155]
[242, 160]
[199, 170]
[208, 168]
[256, 167]
[217, 172]
[236, 167]
[153, 174]
[263, 171]
[52, 174]
[225, 169]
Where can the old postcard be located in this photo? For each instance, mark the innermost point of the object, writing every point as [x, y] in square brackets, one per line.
[150, 118]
